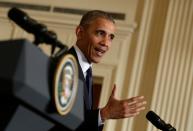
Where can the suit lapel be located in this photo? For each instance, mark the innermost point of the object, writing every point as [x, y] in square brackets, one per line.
[81, 77]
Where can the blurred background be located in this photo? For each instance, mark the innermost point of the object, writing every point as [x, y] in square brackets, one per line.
[152, 54]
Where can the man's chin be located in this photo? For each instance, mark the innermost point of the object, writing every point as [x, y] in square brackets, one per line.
[96, 60]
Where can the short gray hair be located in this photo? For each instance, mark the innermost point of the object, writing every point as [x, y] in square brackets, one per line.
[94, 14]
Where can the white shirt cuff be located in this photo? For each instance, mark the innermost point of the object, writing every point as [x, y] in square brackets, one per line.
[100, 122]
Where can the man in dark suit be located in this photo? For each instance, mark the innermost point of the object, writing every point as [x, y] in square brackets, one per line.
[95, 34]
[94, 37]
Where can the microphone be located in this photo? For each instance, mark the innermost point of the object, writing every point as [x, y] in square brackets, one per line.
[158, 122]
[25, 22]
[40, 31]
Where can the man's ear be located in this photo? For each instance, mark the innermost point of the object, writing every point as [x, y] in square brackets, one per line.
[79, 32]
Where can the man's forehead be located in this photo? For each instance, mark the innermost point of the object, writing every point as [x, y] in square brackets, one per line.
[103, 24]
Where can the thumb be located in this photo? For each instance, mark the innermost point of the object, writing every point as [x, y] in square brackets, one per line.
[113, 91]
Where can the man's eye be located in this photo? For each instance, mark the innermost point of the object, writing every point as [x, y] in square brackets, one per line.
[112, 37]
[100, 33]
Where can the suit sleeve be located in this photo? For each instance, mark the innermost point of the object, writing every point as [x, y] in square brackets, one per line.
[91, 122]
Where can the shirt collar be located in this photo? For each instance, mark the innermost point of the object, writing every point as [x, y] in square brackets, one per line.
[85, 65]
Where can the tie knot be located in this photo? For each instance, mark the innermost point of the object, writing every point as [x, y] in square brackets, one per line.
[89, 72]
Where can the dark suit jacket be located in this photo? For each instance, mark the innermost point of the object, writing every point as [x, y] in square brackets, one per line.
[91, 116]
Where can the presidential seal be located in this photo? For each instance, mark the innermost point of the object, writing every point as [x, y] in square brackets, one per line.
[65, 84]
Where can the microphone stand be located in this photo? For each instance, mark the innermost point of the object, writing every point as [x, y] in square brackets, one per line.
[49, 37]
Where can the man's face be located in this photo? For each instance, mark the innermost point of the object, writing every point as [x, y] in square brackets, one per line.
[95, 39]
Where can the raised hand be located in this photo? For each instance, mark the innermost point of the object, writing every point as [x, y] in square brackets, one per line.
[116, 109]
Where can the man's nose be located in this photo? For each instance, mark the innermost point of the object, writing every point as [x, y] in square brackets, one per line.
[105, 41]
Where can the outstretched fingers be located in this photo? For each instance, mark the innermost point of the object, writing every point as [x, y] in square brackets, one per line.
[133, 106]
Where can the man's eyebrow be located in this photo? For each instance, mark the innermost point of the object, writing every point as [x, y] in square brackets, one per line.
[102, 30]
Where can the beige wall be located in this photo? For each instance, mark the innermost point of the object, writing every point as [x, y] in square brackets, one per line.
[152, 54]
